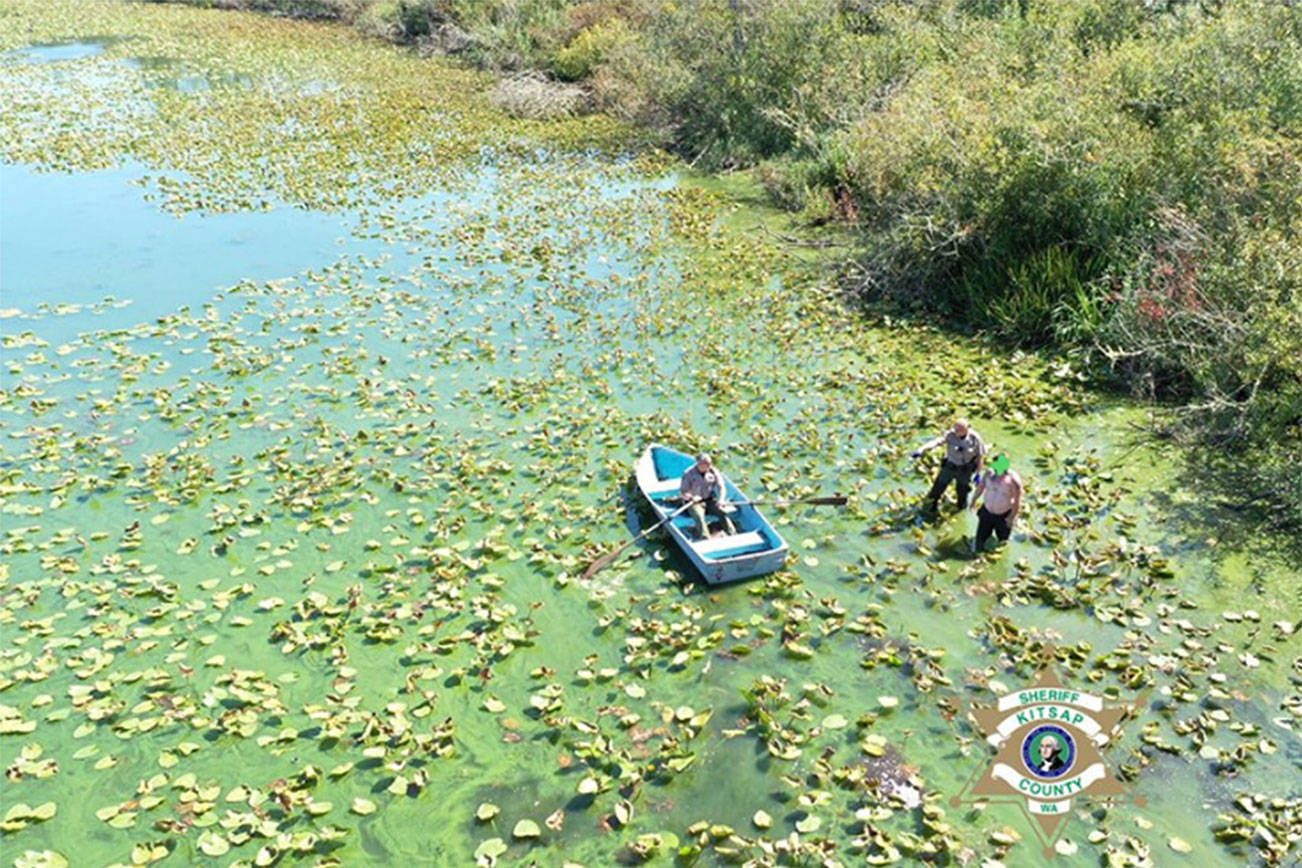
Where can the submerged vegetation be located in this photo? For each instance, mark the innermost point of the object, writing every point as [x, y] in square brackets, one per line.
[290, 572]
[1117, 178]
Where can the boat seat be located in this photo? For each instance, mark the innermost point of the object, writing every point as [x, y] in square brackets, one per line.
[662, 487]
[731, 545]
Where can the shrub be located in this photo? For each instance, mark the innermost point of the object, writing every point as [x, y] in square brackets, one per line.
[513, 34]
[419, 19]
[733, 82]
[590, 47]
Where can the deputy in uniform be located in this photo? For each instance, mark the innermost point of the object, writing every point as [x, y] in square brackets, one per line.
[702, 486]
[964, 452]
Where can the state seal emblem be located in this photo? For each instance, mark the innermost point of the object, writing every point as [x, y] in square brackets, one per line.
[1046, 741]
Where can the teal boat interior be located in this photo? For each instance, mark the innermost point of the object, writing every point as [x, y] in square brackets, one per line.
[754, 535]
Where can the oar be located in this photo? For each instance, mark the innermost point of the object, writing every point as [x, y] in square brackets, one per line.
[822, 500]
[609, 557]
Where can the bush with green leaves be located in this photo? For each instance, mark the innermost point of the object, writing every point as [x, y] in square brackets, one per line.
[734, 82]
[591, 47]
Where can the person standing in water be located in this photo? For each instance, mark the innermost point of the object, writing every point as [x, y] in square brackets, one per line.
[964, 453]
[998, 500]
[702, 485]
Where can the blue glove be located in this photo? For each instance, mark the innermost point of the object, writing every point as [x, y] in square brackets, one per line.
[976, 479]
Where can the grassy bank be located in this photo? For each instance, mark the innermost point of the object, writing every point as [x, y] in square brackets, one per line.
[1117, 178]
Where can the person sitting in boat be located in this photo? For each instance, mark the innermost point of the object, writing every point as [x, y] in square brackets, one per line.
[702, 484]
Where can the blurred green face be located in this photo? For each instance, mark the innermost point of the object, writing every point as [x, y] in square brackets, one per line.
[1000, 464]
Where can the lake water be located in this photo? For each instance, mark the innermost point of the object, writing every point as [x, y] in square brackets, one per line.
[302, 465]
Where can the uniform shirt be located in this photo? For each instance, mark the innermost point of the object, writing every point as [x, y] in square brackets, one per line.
[703, 485]
[963, 450]
[1001, 491]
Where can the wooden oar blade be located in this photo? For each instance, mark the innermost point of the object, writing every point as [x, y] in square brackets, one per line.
[829, 500]
[601, 563]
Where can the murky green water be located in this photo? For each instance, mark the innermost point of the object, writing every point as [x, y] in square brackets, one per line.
[301, 466]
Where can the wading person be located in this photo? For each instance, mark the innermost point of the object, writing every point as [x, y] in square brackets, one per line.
[703, 485]
[964, 452]
[999, 494]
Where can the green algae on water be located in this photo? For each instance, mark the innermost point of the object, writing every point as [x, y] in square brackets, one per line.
[292, 572]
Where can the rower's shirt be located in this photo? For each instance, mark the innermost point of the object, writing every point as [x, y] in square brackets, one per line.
[703, 485]
[1001, 491]
[965, 449]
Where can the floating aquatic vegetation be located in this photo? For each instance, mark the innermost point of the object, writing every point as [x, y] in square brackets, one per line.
[295, 568]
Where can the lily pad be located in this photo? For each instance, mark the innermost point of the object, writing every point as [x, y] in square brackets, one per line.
[526, 829]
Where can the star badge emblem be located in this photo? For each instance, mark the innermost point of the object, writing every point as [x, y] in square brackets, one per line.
[1046, 740]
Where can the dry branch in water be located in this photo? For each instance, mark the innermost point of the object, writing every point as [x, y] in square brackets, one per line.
[534, 96]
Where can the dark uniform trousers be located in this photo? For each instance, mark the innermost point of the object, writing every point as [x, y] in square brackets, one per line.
[960, 475]
[991, 522]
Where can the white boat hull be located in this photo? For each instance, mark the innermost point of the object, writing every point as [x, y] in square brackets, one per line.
[755, 550]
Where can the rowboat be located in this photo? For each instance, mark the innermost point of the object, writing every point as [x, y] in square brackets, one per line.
[755, 549]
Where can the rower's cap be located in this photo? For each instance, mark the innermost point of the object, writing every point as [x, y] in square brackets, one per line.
[1000, 463]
